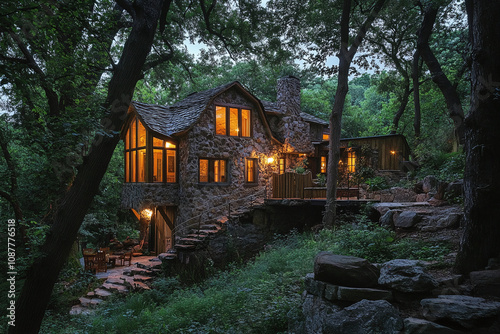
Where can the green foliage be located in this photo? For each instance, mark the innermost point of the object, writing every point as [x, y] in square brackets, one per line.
[252, 298]
[321, 179]
[445, 166]
[377, 183]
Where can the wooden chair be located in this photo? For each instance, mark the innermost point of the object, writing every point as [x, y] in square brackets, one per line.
[88, 258]
[126, 257]
[99, 264]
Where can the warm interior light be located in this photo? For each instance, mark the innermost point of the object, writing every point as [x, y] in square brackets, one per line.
[393, 152]
[147, 213]
[167, 144]
[270, 160]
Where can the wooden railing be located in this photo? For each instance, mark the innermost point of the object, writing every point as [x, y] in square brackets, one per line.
[293, 185]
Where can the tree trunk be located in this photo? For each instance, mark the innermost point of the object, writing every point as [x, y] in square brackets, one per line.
[416, 95]
[440, 79]
[43, 273]
[345, 58]
[480, 240]
[402, 106]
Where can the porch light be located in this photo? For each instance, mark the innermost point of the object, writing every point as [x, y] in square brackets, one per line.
[270, 160]
[393, 152]
[147, 213]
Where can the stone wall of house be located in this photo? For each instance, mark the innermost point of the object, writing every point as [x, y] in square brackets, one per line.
[139, 196]
[211, 200]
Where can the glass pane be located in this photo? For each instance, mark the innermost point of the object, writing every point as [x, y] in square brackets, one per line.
[220, 120]
[127, 167]
[141, 167]
[171, 166]
[351, 162]
[222, 171]
[323, 164]
[250, 171]
[282, 166]
[127, 139]
[203, 170]
[233, 122]
[134, 166]
[141, 136]
[157, 142]
[245, 123]
[157, 165]
[169, 145]
[133, 134]
[216, 171]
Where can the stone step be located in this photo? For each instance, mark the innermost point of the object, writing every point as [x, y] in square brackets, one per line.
[140, 286]
[102, 293]
[114, 280]
[167, 256]
[138, 271]
[185, 247]
[79, 309]
[189, 241]
[209, 227]
[116, 287]
[208, 232]
[141, 278]
[89, 302]
[196, 235]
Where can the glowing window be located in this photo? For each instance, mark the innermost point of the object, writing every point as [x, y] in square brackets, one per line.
[232, 121]
[323, 164]
[213, 171]
[326, 136]
[157, 165]
[251, 171]
[220, 120]
[351, 161]
[282, 166]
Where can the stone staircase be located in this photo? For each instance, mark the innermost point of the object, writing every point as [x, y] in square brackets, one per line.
[195, 239]
[136, 277]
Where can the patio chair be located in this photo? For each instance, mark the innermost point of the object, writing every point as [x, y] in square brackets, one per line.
[100, 264]
[126, 257]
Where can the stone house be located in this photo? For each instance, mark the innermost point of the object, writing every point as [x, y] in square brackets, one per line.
[188, 163]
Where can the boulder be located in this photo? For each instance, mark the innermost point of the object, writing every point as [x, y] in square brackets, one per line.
[315, 311]
[406, 276]
[403, 194]
[387, 219]
[345, 270]
[366, 316]
[486, 282]
[429, 184]
[406, 219]
[466, 311]
[420, 326]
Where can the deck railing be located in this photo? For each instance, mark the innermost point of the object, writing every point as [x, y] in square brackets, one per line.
[293, 185]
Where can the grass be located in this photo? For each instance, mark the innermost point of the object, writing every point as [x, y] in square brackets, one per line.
[253, 298]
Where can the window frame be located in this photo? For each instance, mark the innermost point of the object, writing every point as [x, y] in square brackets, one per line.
[132, 151]
[211, 171]
[255, 170]
[227, 120]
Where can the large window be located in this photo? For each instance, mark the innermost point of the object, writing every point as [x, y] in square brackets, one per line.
[251, 170]
[147, 158]
[323, 164]
[351, 161]
[233, 121]
[212, 171]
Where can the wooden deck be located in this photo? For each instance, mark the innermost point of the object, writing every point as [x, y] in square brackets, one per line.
[318, 201]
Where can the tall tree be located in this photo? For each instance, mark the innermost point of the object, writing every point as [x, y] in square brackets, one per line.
[58, 52]
[346, 54]
[430, 11]
[482, 180]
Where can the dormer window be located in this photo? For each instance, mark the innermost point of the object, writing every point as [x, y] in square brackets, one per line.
[148, 158]
[233, 121]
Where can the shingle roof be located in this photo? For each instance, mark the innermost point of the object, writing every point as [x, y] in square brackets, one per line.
[272, 108]
[180, 116]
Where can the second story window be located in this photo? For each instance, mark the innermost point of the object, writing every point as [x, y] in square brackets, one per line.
[233, 121]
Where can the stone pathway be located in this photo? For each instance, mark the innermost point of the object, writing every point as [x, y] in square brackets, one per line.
[121, 279]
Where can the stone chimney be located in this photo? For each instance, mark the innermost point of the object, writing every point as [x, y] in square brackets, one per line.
[288, 95]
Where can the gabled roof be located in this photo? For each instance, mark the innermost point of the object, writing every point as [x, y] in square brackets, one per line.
[273, 109]
[182, 115]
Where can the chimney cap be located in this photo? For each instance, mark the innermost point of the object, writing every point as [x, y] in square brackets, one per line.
[289, 77]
